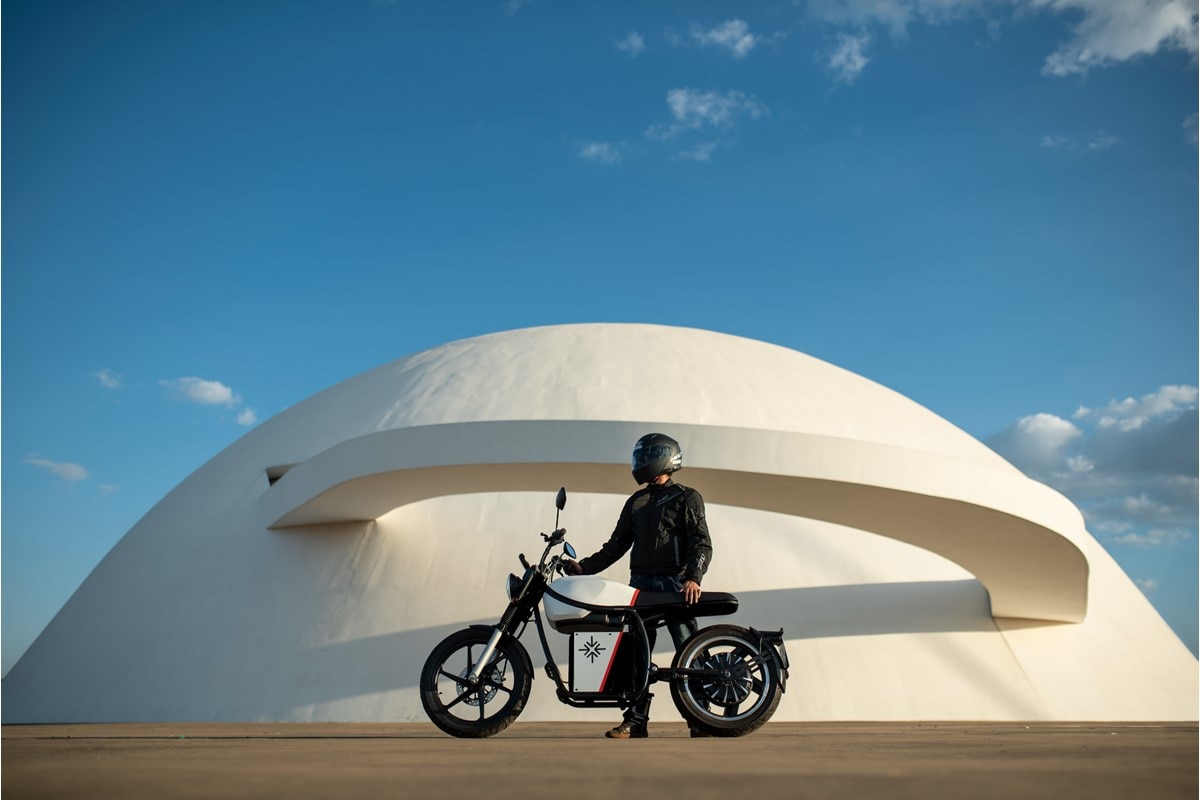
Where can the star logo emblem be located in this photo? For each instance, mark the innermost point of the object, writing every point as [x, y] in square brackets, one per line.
[592, 649]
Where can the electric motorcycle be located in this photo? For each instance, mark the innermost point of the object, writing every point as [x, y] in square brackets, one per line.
[725, 680]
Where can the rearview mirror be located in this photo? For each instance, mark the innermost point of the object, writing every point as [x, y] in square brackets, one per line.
[560, 502]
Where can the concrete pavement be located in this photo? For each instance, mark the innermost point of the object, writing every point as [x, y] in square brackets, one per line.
[569, 761]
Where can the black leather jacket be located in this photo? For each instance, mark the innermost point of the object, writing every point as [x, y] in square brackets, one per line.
[664, 525]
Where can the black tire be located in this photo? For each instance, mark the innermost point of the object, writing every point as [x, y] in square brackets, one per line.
[486, 709]
[734, 705]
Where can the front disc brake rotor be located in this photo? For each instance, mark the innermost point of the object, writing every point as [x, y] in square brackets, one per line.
[494, 676]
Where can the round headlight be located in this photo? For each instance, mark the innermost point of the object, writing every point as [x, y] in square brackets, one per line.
[513, 587]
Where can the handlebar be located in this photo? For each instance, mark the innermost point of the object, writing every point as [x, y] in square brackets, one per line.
[555, 537]
[552, 540]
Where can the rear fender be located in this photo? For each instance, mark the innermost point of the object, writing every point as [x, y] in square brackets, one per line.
[771, 644]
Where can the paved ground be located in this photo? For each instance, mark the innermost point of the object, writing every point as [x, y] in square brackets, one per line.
[566, 761]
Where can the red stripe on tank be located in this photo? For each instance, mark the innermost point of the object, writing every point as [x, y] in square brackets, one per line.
[620, 635]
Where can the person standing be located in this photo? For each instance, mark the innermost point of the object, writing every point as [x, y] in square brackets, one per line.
[663, 528]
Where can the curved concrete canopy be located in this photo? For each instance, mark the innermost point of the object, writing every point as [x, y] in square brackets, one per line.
[1022, 540]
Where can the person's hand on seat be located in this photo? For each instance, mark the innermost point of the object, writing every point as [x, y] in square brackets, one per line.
[691, 592]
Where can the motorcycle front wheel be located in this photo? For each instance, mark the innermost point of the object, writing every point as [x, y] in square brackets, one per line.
[742, 689]
[486, 708]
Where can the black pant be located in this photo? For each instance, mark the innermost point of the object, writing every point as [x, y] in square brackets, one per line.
[680, 630]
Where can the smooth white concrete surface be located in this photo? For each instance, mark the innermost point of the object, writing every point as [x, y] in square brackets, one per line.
[1021, 539]
[204, 611]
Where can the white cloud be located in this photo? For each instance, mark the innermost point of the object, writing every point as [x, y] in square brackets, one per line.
[1190, 125]
[198, 390]
[1088, 144]
[1131, 465]
[700, 152]
[1102, 141]
[733, 35]
[212, 393]
[695, 110]
[66, 470]
[849, 59]
[700, 122]
[1080, 464]
[897, 15]
[633, 43]
[600, 153]
[1049, 428]
[1148, 585]
[1155, 537]
[108, 379]
[1038, 442]
[1102, 32]
[1112, 31]
[1130, 414]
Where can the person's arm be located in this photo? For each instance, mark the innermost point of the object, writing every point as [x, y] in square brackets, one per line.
[617, 545]
[699, 544]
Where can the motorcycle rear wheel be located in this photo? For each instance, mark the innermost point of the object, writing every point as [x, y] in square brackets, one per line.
[740, 701]
[473, 712]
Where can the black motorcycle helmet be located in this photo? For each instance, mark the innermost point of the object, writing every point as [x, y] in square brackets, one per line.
[654, 454]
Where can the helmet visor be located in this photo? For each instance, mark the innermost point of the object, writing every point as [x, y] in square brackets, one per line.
[646, 455]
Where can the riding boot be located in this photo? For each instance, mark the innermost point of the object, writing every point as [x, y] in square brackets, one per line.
[634, 724]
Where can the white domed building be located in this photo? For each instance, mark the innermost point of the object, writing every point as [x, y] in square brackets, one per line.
[305, 572]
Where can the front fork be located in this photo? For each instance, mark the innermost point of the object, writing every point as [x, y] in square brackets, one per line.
[502, 627]
[488, 651]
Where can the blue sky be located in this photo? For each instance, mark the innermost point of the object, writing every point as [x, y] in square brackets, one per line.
[215, 209]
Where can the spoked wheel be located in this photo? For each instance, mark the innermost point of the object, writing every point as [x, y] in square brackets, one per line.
[474, 710]
[740, 691]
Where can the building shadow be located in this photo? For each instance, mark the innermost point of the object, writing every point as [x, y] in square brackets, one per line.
[390, 662]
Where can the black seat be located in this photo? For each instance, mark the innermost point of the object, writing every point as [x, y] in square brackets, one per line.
[711, 604]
